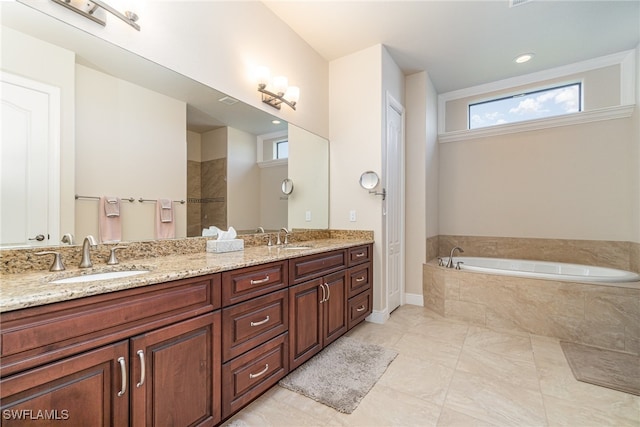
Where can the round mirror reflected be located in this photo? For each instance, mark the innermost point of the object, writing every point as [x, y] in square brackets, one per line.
[369, 180]
[287, 186]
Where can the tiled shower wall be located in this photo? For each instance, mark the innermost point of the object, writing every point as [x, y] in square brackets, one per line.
[207, 193]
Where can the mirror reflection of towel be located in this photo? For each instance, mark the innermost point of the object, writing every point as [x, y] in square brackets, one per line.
[166, 206]
[112, 206]
[109, 225]
[165, 225]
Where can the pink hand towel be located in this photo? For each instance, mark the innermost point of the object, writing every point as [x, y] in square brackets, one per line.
[165, 225]
[109, 224]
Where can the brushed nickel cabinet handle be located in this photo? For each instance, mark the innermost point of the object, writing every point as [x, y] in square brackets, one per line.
[328, 292]
[261, 322]
[142, 368]
[324, 293]
[123, 372]
[257, 282]
[361, 308]
[360, 279]
[266, 368]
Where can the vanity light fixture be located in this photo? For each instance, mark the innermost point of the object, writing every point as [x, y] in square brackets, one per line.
[87, 9]
[276, 91]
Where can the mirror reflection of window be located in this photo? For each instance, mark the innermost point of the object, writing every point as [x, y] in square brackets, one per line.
[281, 149]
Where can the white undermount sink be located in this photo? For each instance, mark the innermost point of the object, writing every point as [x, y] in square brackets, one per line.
[296, 247]
[99, 276]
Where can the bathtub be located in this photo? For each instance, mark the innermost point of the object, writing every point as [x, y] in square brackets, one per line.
[546, 270]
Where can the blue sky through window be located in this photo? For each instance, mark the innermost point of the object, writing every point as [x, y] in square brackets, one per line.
[528, 106]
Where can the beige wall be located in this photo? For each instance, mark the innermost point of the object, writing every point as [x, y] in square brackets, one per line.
[309, 193]
[273, 204]
[243, 180]
[421, 176]
[571, 182]
[358, 86]
[151, 130]
[227, 41]
[32, 58]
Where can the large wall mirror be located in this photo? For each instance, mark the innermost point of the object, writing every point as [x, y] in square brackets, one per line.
[131, 128]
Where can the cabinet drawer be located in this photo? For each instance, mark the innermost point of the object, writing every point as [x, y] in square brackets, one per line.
[312, 266]
[250, 282]
[360, 307]
[246, 377]
[359, 279]
[251, 323]
[38, 335]
[359, 255]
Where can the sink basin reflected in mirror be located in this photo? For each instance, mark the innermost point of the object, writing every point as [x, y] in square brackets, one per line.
[99, 276]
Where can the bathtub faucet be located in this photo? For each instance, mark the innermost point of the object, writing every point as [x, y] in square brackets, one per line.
[450, 262]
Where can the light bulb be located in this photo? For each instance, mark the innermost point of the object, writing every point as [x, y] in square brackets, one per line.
[263, 75]
[293, 94]
[280, 84]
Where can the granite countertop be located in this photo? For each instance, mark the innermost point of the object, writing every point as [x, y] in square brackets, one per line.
[32, 289]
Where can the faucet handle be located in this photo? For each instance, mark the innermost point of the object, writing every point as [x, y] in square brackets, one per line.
[113, 260]
[57, 264]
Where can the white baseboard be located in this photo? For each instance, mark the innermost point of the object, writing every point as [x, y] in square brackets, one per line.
[378, 316]
[414, 299]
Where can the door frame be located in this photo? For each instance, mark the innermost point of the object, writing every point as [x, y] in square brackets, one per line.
[391, 102]
[53, 190]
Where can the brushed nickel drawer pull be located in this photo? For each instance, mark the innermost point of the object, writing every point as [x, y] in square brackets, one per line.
[123, 371]
[262, 322]
[266, 368]
[360, 255]
[360, 279]
[257, 282]
[361, 308]
[142, 368]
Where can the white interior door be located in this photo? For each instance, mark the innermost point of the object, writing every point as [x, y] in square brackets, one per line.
[394, 203]
[29, 175]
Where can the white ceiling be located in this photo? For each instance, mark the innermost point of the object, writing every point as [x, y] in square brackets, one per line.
[466, 43]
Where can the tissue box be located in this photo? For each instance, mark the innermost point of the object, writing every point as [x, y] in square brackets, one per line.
[219, 246]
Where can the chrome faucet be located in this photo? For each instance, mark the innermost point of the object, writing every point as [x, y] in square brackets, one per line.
[68, 238]
[260, 230]
[89, 242]
[286, 236]
[450, 262]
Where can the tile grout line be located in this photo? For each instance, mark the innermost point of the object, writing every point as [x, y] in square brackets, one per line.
[455, 369]
[535, 363]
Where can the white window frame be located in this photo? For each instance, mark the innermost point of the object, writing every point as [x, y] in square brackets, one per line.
[625, 59]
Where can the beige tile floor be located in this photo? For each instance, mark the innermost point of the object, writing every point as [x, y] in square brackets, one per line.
[449, 373]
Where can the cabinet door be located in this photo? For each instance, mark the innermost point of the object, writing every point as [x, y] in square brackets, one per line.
[175, 374]
[305, 321]
[81, 391]
[335, 307]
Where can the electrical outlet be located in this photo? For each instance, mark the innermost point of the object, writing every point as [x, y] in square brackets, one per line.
[307, 216]
[352, 216]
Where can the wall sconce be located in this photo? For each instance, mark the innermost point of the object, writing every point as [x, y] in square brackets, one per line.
[87, 9]
[276, 91]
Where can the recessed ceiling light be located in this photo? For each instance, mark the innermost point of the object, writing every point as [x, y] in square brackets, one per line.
[275, 122]
[524, 58]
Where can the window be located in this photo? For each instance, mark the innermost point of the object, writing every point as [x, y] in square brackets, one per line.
[555, 101]
[281, 149]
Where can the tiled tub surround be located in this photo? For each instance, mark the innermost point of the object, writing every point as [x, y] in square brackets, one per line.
[606, 316]
[602, 253]
[25, 279]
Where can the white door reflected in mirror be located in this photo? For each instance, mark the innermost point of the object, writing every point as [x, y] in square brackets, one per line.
[369, 180]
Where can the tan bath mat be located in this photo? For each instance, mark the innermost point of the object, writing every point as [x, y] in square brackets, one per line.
[606, 368]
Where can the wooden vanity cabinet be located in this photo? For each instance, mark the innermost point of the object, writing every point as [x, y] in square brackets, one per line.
[255, 321]
[318, 305]
[150, 356]
[360, 289]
